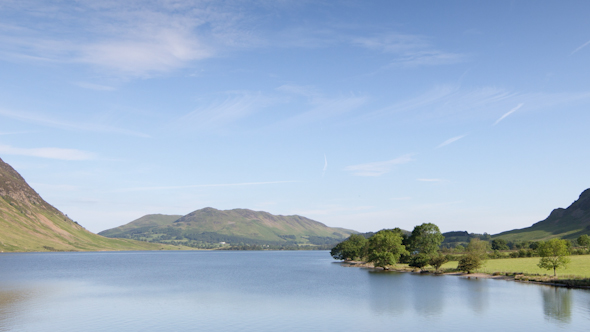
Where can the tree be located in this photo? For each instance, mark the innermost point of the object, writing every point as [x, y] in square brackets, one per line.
[438, 260]
[385, 248]
[478, 248]
[419, 261]
[553, 255]
[499, 244]
[476, 254]
[584, 241]
[350, 249]
[426, 239]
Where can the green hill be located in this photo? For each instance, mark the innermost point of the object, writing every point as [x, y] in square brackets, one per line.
[209, 227]
[566, 223]
[28, 223]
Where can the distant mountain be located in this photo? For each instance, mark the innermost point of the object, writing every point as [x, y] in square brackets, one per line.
[209, 227]
[28, 223]
[567, 223]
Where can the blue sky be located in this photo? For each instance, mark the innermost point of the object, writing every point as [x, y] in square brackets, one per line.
[359, 114]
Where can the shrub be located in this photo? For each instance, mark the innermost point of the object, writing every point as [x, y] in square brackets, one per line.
[469, 263]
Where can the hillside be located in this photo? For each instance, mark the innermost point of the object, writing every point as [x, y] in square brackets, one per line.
[566, 223]
[28, 223]
[208, 227]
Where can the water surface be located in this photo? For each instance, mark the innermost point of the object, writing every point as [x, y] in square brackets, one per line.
[262, 291]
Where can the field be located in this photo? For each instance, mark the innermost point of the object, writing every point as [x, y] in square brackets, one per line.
[579, 266]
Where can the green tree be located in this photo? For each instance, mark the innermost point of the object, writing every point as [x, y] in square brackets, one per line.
[438, 260]
[553, 255]
[584, 240]
[419, 260]
[350, 249]
[478, 248]
[469, 263]
[475, 256]
[499, 244]
[426, 239]
[385, 248]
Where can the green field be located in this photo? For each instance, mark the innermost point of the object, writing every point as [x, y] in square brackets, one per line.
[579, 266]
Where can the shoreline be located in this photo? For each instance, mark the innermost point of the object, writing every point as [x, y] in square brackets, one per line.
[522, 278]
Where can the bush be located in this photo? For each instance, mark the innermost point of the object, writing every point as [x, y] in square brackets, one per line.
[469, 263]
[419, 261]
[438, 260]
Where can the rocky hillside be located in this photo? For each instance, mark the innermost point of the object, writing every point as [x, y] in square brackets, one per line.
[29, 223]
[566, 223]
[209, 226]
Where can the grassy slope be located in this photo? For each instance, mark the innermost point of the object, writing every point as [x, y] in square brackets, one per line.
[579, 266]
[147, 221]
[254, 224]
[30, 228]
[567, 223]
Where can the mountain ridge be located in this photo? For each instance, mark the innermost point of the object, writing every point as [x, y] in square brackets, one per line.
[568, 223]
[233, 226]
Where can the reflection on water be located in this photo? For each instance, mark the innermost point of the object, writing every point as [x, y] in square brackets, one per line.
[389, 293]
[262, 291]
[557, 303]
[429, 299]
[475, 291]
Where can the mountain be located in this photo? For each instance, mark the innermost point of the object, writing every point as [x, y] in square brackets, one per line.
[28, 223]
[567, 223]
[209, 227]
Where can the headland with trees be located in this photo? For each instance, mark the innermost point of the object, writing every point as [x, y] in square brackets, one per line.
[422, 250]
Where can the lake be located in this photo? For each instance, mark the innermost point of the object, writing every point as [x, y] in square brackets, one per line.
[263, 291]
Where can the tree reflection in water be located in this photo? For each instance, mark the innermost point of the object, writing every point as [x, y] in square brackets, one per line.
[389, 292]
[557, 303]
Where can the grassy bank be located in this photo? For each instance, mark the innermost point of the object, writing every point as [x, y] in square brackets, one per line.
[579, 266]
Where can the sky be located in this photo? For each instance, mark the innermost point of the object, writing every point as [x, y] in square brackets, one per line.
[473, 115]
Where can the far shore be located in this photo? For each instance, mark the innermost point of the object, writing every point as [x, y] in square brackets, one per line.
[547, 281]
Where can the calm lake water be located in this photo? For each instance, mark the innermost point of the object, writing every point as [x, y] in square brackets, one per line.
[263, 291]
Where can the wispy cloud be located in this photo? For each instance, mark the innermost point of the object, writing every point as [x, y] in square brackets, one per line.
[325, 165]
[508, 113]
[125, 38]
[378, 168]
[319, 106]
[236, 106]
[409, 50]
[14, 132]
[240, 184]
[581, 47]
[50, 153]
[49, 122]
[450, 141]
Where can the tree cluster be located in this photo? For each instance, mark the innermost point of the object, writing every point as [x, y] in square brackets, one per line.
[390, 246]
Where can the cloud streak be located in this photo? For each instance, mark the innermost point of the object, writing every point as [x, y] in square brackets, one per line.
[48, 122]
[50, 153]
[508, 113]
[581, 47]
[409, 50]
[219, 114]
[378, 168]
[450, 141]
